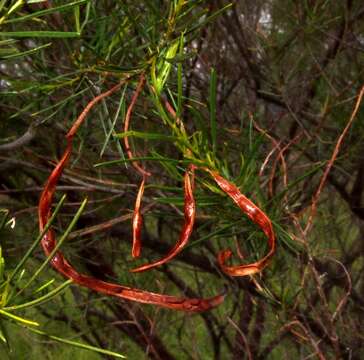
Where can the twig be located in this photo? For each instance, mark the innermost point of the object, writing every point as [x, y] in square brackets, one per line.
[26, 138]
[332, 160]
[249, 354]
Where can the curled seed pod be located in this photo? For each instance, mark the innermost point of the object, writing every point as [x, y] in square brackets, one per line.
[257, 216]
[137, 221]
[66, 269]
[189, 215]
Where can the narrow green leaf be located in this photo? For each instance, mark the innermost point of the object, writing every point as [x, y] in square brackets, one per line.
[2, 266]
[212, 234]
[120, 69]
[141, 158]
[144, 135]
[42, 299]
[121, 108]
[40, 13]
[44, 286]
[2, 4]
[287, 240]
[8, 42]
[14, 7]
[38, 239]
[25, 53]
[4, 53]
[40, 34]
[179, 200]
[210, 18]
[18, 318]
[77, 344]
[56, 248]
[179, 78]
[297, 181]
[164, 67]
[35, 1]
[87, 15]
[201, 126]
[58, 104]
[76, 12]
[3, 334]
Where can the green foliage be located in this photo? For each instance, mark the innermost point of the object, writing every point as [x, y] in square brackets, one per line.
[259, 91]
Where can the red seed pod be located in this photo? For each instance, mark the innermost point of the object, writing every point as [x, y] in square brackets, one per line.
[246, 205]
[65, 268]
[137, 222]
[257, 216]
[189, 214]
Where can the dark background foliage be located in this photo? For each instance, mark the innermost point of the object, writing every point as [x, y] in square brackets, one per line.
[287, 76]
